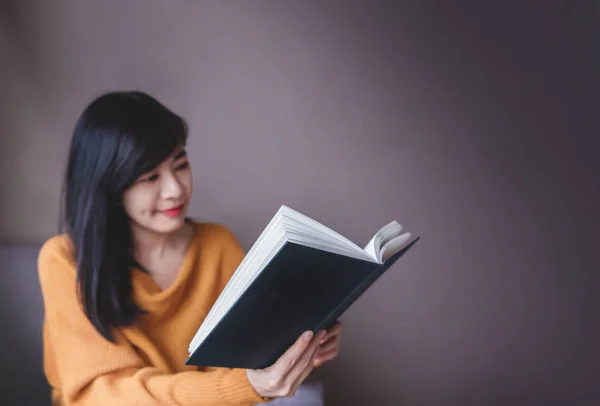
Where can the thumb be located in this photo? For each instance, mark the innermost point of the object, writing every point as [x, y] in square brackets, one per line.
[286, 361]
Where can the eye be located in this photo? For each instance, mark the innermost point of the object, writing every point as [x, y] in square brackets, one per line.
[150, 178]
[182, 166]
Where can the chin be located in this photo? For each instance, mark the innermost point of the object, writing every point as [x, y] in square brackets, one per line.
[163, 224]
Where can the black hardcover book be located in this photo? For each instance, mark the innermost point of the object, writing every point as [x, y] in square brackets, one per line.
[299, 275]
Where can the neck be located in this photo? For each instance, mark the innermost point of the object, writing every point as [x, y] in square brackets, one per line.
[149, 246]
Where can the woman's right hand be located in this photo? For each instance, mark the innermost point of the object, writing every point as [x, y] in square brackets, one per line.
[291, 369]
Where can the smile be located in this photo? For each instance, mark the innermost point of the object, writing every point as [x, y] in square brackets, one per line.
[173, 212]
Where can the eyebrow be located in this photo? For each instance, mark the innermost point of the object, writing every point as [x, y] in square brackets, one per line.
[180, 155]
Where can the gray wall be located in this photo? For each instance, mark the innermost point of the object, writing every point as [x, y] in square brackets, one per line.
[474, 125]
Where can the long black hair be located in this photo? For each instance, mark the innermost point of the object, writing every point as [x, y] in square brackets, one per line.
[118, 137]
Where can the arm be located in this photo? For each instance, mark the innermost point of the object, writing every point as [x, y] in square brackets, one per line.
[93, 371]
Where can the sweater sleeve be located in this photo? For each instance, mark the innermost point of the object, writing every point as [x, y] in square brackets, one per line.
[93, 371]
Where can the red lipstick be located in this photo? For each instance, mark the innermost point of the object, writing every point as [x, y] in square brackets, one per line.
[173, 212]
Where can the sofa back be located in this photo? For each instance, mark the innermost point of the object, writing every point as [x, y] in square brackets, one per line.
[22, 380]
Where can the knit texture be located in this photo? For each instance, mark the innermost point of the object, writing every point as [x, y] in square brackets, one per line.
[146, 364]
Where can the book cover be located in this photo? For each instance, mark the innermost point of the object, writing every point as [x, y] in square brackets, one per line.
[300, 288]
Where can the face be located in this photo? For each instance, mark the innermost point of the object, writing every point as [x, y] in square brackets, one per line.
[158, 200]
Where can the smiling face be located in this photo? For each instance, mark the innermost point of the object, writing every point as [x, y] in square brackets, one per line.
[158, 200]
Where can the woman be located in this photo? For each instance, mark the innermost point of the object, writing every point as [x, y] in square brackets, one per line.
[128, 284]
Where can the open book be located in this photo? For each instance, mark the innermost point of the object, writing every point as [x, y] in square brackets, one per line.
[298, 275]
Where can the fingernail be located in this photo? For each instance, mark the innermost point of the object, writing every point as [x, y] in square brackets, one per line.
[322, 333]
[308, 335]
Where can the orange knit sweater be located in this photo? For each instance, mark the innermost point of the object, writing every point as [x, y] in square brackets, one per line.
[146, 365]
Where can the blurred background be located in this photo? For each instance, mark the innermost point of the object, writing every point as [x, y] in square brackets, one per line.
[474, 124]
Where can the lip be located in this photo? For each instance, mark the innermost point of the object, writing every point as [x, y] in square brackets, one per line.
[173, 212]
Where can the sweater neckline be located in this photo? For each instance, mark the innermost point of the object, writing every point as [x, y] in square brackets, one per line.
[147, 290]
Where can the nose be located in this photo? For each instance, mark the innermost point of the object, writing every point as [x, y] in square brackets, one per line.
[171, 187]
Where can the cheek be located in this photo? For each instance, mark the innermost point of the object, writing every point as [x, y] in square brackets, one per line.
[186, 181]
[139, 202]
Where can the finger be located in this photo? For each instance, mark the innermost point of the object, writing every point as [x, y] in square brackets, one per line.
[304, 374]
[329, 345]
[328, 351]
[328, 356]
[288, 381]
[305, 359]
[289, 359]
[333, 331]
[337, 327]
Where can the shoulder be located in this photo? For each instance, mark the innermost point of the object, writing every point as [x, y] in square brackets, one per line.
[56, 256]
[216, 237]
[218, 248]
[213, 232]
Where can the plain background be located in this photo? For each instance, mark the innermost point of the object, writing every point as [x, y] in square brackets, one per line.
[474, 124]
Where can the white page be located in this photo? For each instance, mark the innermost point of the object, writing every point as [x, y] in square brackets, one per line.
[394, 245]
[384, 234]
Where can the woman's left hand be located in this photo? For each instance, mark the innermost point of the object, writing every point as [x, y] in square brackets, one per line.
[329, 348]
